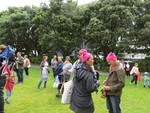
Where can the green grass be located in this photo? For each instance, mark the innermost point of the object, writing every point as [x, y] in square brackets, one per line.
[27, 99]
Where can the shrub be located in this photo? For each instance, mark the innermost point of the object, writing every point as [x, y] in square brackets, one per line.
[101, 65]
[35, 59]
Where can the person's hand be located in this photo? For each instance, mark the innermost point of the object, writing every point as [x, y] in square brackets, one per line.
[104, 82]
[106, 88]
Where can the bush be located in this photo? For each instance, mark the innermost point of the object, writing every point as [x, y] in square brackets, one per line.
[36, 59]
[101, 65]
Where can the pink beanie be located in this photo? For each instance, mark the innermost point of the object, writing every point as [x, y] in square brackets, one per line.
[85, 56]
[82, 51]
[111, 56]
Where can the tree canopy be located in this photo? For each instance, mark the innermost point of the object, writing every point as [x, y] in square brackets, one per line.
[64, 27]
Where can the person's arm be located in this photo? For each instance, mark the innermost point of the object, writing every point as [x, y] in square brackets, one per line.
[92, 84]
[20, 61]
[73, 67]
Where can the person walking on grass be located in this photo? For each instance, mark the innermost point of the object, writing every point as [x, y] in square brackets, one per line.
[85, 83]
[114, 84]
[134, 72]
[44, 71]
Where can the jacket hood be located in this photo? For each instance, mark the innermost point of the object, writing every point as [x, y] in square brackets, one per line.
[80, 71]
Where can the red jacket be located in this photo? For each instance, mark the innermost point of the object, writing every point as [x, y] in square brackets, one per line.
[9, 83]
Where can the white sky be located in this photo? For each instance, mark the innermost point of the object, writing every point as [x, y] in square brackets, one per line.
[6, 3]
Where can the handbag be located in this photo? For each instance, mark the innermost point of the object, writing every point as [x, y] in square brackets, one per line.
[56, 83]
[29, 66]
[68, 90]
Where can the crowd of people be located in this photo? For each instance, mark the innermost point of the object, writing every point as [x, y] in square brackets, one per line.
[85, 79]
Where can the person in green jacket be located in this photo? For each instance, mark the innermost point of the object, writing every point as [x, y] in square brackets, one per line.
[20, 66]
[114, 84]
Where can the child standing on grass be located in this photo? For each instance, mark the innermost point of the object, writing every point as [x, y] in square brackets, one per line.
[146, 79]
[44, 71]
[10, 81]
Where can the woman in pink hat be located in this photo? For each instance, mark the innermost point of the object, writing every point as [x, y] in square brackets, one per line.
[85, 83]
[114, 83]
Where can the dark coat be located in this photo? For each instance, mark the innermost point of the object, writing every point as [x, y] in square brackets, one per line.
[85, 83]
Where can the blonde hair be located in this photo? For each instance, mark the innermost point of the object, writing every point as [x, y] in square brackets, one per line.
[136, 64]
[2, 47]
[45, 57]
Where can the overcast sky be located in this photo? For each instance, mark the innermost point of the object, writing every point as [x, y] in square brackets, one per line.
[6, 3]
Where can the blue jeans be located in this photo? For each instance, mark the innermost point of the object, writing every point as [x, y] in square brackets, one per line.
[113, 103]
[54, 72]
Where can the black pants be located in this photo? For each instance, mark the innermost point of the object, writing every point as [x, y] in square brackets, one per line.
[135, 77]
[26, 69]
[2, 84]
[128, 73]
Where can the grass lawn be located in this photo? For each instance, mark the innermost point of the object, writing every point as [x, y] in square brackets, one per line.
[27, 99]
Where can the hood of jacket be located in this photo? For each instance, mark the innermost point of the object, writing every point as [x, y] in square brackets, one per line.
[80, 71]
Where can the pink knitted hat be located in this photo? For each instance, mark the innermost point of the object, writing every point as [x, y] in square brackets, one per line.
[85, 56]
[111, 56]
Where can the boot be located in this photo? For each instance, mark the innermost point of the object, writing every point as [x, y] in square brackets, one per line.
[45, 84]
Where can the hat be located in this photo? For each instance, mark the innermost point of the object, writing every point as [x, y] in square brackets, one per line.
[146, 73]
[85, 56]
[82, 51]
[111, 56]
